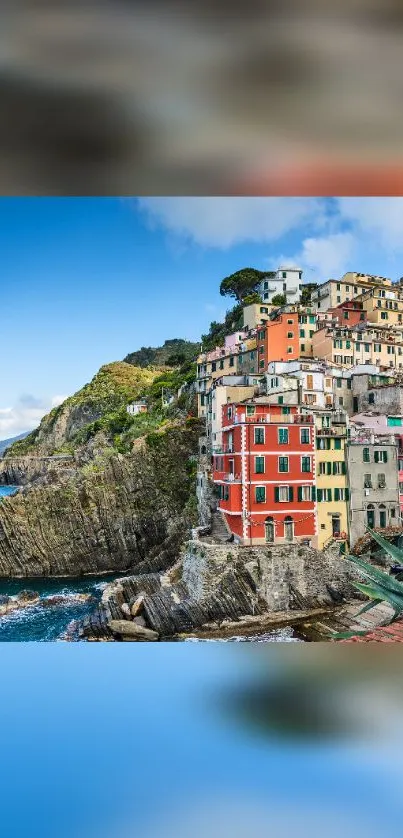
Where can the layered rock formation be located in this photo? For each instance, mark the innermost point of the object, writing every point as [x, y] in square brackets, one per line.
[128, 512]
[213, 584]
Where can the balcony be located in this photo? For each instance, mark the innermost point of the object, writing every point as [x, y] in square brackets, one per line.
[331, 431]
[274, 418]
[232, 478]
[223, 449]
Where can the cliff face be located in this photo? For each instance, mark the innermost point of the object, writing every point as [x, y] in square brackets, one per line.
[110, 390]
[113, 517]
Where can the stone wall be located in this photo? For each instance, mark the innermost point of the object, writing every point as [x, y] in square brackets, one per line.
[273, 569]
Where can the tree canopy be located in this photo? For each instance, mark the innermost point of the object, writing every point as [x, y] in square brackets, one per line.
[242, 283]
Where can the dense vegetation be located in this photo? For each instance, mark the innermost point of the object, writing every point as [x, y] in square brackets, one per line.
[217, 332]
[172, 354]
[107, 394]
[243, 283]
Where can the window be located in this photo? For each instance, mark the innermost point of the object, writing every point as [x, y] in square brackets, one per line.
[302, 333]
[290, 322]
[261, 350]
[381, 457]
[280, 399]
[365, 455]
[337, 444]
[382, 516]
[367, 481]
[339, 467]
[229, 413]
[302, 347]
[290, 334]
[346, 315]
[260, 494]
[285, 411]
[305, 464]
[371, 398]
[213, 366]
[231, 361]
[250, 410]
[311, 334]
[323, 495]
[289, 350]
[282, 436]
[338, 286]
[221, 365]
[381, 481]
[259, 436]
[338, 382]
[283, 494]
[309, 382]
[306, 493]
[340, 401]
[283, 464]
[259, 465]
[348, 344]
[304, 436]
[284, 274]
[322, 468]
[384, 315]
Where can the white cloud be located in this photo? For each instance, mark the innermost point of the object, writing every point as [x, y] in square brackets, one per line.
[225, 222]
[25, 415]
[322, 258]
[381, 218]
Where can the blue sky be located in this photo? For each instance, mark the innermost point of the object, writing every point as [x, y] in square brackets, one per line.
[85, 281]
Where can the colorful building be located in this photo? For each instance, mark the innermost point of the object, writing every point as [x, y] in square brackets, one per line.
[278, 340]
[265, 474]
[332, 490]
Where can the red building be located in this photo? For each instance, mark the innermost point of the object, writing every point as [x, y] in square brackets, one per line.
[349, 313]
[265, 473]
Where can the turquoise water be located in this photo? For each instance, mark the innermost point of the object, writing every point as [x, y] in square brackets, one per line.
[43, 622]
[7, 490]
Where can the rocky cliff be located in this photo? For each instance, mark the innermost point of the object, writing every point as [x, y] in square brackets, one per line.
[111, 515]
[212, 585]
[111, 389]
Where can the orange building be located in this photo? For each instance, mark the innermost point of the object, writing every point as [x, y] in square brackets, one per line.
[278, 340]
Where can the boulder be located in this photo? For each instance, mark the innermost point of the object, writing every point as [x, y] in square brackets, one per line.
[140, 621]
[137, 606]
[132, 630]
[125, 609]
[27, 596]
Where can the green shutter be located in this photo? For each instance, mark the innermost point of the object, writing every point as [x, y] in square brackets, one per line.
[290, 494]
[299, 492]
[276, 494]
[376, 456]
[347, 493]
[337, 494]
[343, 468]
[319, 494]
[313, 492]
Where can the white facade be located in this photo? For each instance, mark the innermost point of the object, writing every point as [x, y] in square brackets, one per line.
[287, 281]
[136, 407]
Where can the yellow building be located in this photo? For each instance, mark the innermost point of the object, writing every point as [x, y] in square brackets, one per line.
[348, 346]
[307, 328]
[332, 492]
[256, 314]
[334, 292]
[383, 307]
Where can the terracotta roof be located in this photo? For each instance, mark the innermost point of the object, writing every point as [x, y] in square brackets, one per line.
[382, 634]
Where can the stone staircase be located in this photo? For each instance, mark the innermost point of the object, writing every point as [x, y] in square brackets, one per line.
[219, 530]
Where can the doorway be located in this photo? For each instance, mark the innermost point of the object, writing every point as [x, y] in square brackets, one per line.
[288, 529]
[336, 527]
[269, 530]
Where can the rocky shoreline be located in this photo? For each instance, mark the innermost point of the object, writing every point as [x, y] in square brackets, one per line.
[218, 590]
